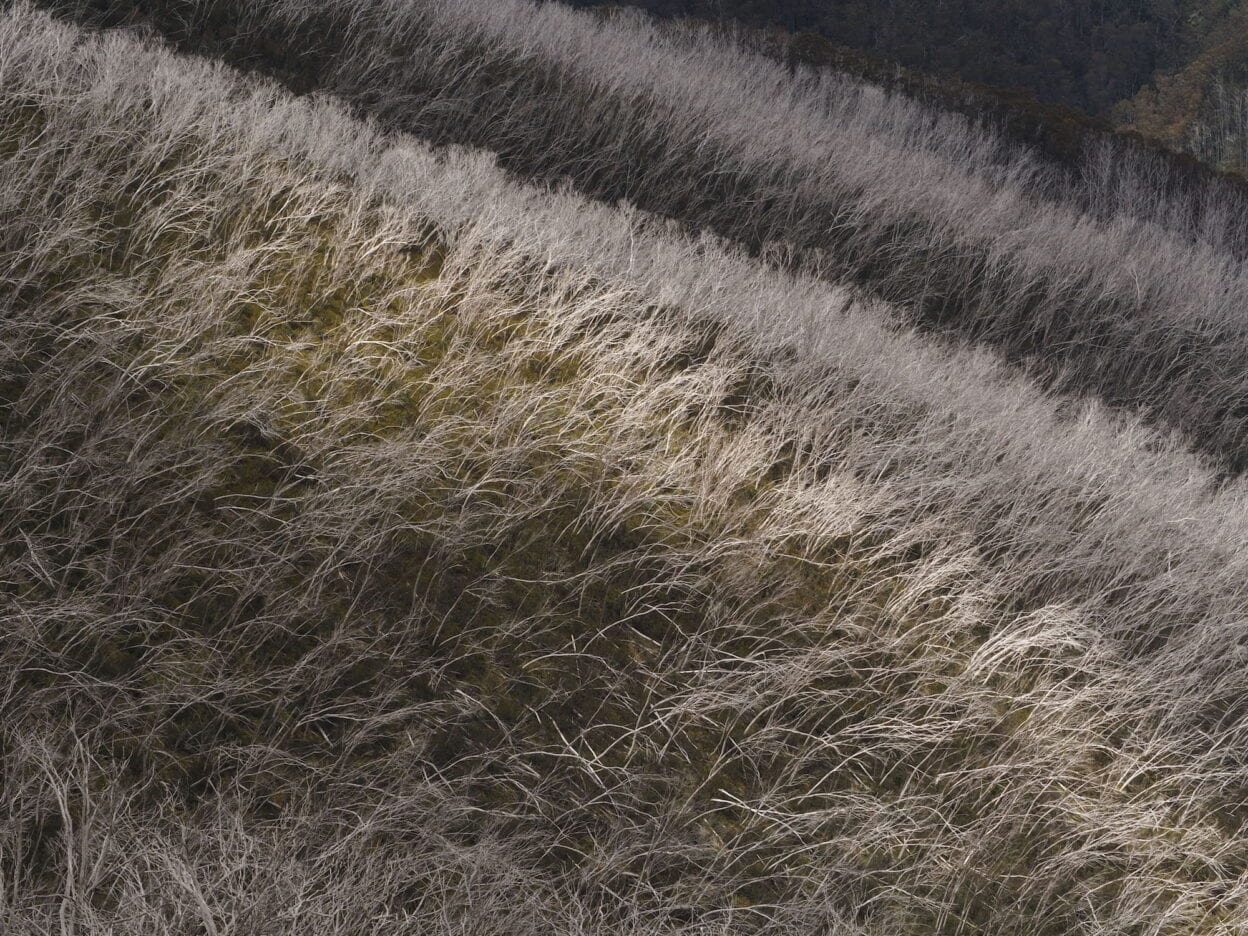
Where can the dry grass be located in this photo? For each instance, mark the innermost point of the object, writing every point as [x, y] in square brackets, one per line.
[387, 548]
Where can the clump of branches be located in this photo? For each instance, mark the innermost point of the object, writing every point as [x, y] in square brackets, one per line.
[385, 547]
[1101, 282]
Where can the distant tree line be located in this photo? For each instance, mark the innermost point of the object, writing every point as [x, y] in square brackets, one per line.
[1059, 133]
[1089, 54]
[1193, 107]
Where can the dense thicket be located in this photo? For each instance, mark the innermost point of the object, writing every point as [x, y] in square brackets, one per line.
[1107, 282]
[387, 548]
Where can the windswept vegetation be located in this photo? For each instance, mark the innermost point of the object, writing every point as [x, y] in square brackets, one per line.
[1114, 282]
[390, 547]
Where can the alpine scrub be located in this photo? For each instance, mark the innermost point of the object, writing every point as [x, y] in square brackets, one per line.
[390, 547]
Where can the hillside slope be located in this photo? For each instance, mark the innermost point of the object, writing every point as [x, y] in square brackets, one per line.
[390, 548]
[1113, 281]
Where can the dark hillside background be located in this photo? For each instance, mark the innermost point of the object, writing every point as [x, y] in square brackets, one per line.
[1153, 66]
[1089, 55]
